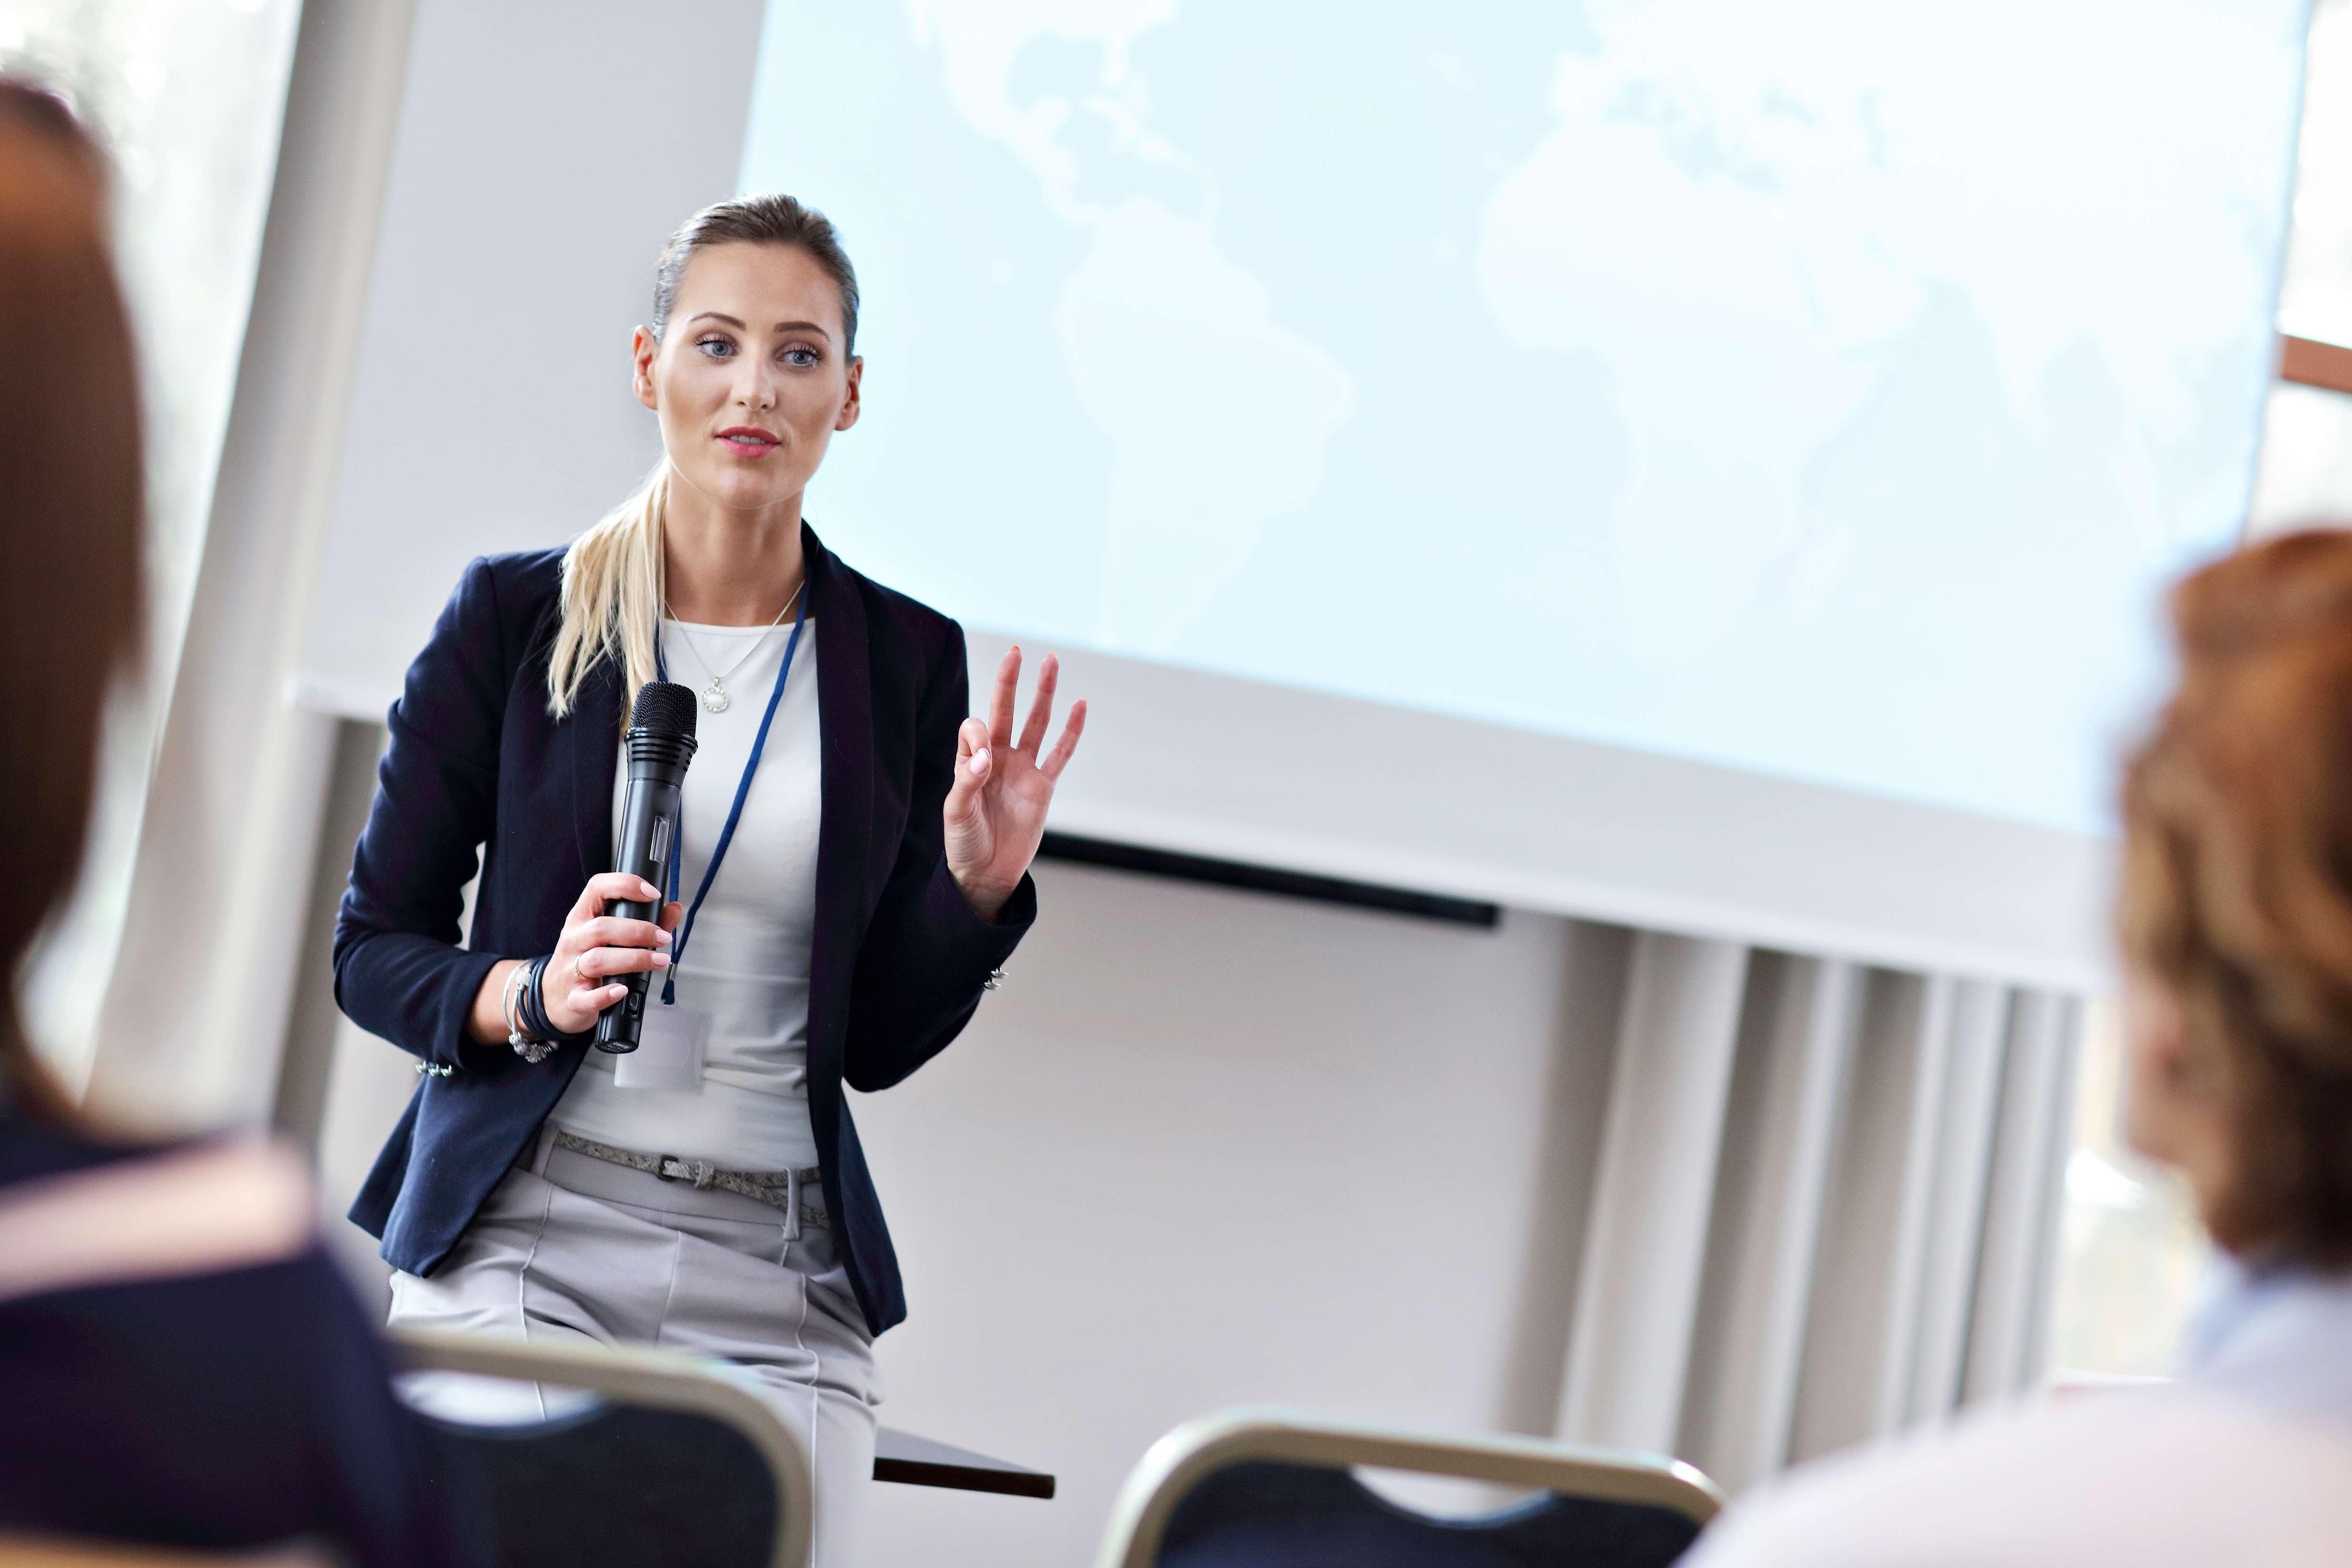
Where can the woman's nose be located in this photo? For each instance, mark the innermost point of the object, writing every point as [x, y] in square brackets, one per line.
[754, 390]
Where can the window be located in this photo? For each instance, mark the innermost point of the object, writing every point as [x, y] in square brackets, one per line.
[2132, 1258]
[2306, 462]
[2315, 299]
[189, 99]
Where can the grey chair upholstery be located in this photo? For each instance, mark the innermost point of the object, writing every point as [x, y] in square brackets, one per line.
[672, 1463]
[1273, 1488]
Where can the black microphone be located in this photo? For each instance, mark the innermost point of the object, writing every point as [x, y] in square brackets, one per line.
[661, 742]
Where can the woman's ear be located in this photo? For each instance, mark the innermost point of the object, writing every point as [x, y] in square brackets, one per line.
[850, 406]
[643, 347]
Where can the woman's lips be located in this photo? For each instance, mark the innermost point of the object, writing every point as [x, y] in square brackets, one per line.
[747, 442]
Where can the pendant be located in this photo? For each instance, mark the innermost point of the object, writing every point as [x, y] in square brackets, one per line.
[714, 696]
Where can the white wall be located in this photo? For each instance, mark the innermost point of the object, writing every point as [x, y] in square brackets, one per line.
[1206, 1148]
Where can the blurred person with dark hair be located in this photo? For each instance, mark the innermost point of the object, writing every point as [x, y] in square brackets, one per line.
[179, 1361]
[2236, 925]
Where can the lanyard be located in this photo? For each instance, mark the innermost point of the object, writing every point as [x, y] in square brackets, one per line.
[734, 812]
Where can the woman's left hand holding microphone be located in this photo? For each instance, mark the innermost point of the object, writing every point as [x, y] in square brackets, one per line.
[995, 812]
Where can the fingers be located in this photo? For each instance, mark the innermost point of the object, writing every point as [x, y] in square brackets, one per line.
[974, 757]
[999, 703]
[611, 886]
[1041, 706]
[599, 963]
[612, 930]
[1059, 757]
[580, 1005]
[671, 915]
[597, 948]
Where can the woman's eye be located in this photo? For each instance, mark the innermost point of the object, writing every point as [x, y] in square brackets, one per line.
[800, 358]
[716, 348]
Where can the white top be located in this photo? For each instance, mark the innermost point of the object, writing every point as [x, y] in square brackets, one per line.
[2247, 1459]
[743, 983]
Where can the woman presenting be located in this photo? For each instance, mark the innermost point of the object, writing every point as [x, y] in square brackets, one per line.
[854, 875]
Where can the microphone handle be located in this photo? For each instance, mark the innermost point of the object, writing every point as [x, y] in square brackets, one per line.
[648, 839]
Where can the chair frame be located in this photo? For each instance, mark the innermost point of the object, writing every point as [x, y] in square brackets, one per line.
[660, 1380]
[1179, 1461]
[22, 1551]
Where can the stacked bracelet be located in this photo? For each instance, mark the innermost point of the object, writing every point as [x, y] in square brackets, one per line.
[533, 1037]
[530, 1043]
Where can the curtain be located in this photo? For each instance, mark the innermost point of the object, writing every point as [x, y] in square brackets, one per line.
[1824, 1207]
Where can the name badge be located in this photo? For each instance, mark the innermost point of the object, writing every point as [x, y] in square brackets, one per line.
[670, 1048]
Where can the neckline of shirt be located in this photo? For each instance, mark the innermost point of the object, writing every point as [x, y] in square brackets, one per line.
[697, 627]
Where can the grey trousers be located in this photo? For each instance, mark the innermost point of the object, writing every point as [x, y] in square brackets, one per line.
[573, 1249]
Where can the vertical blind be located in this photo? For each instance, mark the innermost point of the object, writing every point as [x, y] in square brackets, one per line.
[1824, 1205]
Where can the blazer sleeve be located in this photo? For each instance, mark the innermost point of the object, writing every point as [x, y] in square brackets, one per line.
[399, 972]
[927, 954]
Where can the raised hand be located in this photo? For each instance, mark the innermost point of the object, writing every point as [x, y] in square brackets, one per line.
[995, 812]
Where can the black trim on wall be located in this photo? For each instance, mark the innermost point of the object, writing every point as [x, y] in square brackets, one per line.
[1216, 873]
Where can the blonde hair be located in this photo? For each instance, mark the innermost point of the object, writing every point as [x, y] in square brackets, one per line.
[612, 597]
[613, 574]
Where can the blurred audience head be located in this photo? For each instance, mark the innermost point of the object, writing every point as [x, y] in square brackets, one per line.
[2236, 908]
[70, 464]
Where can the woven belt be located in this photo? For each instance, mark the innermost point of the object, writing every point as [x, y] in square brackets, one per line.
[773, 1188]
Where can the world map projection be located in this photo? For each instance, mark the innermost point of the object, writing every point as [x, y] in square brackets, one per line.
[1825, 389]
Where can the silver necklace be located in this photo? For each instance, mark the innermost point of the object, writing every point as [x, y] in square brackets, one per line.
[714, 696]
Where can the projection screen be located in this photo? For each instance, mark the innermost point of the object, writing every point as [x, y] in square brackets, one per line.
[1681, 463]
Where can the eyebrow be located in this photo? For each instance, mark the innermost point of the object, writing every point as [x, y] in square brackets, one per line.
[780, 326]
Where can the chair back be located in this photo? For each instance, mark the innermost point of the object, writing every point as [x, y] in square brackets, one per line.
[1259, 1488]
[672, 1462]
[31, 1551]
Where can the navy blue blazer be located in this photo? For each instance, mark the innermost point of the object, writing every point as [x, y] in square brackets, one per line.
[477, 767]
[227, 1408]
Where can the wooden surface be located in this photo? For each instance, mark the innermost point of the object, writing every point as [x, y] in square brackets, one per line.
[2314, 363]
[920, 1462]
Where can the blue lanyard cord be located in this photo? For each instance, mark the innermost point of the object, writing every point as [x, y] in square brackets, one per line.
[734, 812]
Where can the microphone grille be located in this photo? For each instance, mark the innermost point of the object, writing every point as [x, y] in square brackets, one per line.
[665, 708]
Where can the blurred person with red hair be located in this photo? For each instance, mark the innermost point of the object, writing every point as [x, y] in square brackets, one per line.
[179, 1361]
[2236, 915]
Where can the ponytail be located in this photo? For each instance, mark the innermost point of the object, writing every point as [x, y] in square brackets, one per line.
[612, 597]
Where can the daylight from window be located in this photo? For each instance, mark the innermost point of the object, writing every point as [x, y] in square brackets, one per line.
[188, 97]
[2132, 1261]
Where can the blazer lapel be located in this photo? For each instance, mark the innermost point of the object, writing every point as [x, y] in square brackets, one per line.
[844, 695]
[595, 735]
